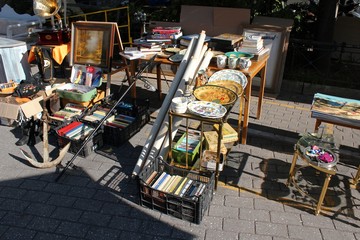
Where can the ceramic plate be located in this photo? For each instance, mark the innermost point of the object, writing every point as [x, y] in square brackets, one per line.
[239, 54]
[230, 75]
[207, 109]
[232, 85]
[217, 94]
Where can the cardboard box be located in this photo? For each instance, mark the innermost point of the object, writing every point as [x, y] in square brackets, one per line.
[211, 141]
[11, 107]
[228, 133]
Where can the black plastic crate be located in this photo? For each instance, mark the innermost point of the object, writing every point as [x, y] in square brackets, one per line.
[93, 144]
[116, 136]
[189, 209]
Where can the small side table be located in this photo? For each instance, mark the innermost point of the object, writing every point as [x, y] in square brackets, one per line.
[300, 153]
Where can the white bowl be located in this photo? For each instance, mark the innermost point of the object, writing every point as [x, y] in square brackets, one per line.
[179, 104]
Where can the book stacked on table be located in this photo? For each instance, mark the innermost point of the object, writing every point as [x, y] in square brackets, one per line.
[252, 44]
[226, 41]
[176, 185]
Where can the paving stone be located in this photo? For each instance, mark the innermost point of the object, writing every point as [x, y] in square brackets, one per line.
[262, 203]
[188, 232]
[138, 236]
[302, 232]
[57, 188]
[47, 236]
[271, 229]
[347, 224]
[239, 202]
[16, 219]
[254, 215]
[82, 192]
[317, 221]
[36, 196]
[63, 213]
[97, 219]
[61, 200]
[31, 184]
[247, 236]
[117, 209]
[14, 233]
[96, 233]
[125, 223]
[72, 229]
[211, 222]
[145, 214]
[43, 224]
[40, 209]
[14, 205]
[331, 234]
[220, 235]
[10, 192]
[156, 228]
[222, 211]
[286, 218]
[88, 204]
[239, 225]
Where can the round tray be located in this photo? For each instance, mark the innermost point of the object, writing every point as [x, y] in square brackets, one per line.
[217, 94]
[232, 85]
[315, 157]
[230, 75]
[207, 109]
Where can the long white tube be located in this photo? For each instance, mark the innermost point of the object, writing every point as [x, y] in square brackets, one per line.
[148, 146]
[163, 131]
[190, 72]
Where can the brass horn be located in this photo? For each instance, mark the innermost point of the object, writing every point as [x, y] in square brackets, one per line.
[47, 9]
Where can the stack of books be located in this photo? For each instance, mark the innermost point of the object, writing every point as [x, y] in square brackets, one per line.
[75, 131]
[97, 115]
[68, 112]
[252, 44]
[189, 142]
[226, 42]
[133, 52]
[165, 34]
[119, 121]
[148, 47]
[185, 40]
[176, 185]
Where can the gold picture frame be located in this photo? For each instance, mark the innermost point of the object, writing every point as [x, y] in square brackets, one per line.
[92, 43]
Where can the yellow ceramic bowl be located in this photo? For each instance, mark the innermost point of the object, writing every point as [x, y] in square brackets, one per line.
[217, 94]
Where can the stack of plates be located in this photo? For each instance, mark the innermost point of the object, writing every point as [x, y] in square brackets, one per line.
[229, 75]
[207, 109]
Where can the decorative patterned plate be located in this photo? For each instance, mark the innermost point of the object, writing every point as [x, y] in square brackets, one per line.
[172, 50]
[207, 109]
[232, 85]
[239, 54]
[229, 75]
[217, 94]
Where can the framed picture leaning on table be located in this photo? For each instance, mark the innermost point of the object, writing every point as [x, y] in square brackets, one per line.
[92, 43]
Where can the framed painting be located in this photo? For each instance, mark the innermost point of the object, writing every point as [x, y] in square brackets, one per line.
[92, 43]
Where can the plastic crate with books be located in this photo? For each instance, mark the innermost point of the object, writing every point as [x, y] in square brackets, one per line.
[176, 191]
[76, 132]
[129, 117]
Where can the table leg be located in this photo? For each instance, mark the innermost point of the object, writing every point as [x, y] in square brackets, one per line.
[246, 111]
[261, 91]
[158, 79]
[356, 179]
[323, 192]
[241, 104]
[317, 125]
[292, 168]
[132, 74]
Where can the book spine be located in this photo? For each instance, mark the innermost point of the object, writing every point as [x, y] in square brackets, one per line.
[161, 178]
[151, 177]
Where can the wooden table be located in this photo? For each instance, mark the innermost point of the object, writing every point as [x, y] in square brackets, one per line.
[257, 67]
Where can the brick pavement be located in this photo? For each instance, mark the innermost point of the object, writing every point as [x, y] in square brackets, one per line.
[99, 200]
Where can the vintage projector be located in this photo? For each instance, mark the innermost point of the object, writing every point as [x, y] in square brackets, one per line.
[57, 34]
